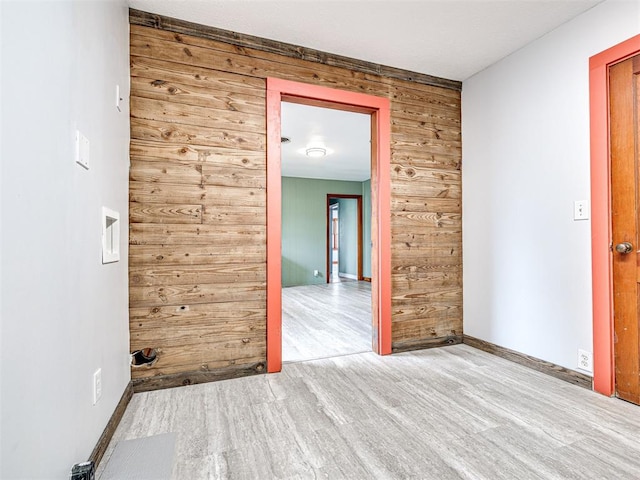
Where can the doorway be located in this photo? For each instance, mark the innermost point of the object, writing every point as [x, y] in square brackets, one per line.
[602, 246]
[624, 98]
[323, 316]
[346, 252]
[378, 109]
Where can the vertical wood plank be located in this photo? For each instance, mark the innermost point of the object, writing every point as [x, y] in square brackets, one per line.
[199, 141]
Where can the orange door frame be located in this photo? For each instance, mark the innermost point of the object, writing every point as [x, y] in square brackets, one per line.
[601, 256]
[379, 109]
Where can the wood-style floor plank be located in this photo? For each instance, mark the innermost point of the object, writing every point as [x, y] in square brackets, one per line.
[326, 320]
[446, 413]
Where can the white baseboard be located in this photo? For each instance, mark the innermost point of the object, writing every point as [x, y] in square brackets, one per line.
[348, 275]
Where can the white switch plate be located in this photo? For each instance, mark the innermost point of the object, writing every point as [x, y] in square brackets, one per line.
[580, 210]
[82, 150]
[118, 98]
[97, 386]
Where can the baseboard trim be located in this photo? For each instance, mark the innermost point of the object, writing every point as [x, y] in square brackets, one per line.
[160, 382]
[350, 276]
[112, 424]
[423, 343]
[543, 366]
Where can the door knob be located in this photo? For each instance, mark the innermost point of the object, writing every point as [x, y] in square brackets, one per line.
[624, 247]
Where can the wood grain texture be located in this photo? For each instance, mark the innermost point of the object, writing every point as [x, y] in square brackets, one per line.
[198, 198]
[209, 274]
[177, 255]
[160, 213]
[422, 204]
[439, 331]
[160, 382]
[425, 317]
[173, 172]
[237, 349]
[430, 115]
[422, 343]
[202, 78]
[180, 134]
[199, 154]
[149, 319]
[152, 192]
[192, 293]
[193, 51]
[185, 94]
[216, 235]
[444, 413]
[207, 117]
[137, 17]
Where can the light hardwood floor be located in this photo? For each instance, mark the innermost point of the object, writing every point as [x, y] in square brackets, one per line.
[326, 320]
[446, 413]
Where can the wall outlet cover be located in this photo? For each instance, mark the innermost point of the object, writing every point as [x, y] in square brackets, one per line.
[97, 386]
[585, 361]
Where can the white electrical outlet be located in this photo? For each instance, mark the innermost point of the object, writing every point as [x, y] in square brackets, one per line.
[97, 386]
[316, 273]
[585, 360]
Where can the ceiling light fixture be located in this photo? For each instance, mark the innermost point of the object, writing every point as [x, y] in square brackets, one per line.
[316, 152]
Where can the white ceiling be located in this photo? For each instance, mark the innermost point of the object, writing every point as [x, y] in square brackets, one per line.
[452, 39]
[345, 135]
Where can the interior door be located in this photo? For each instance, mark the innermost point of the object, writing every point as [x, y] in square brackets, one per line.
[624, 97]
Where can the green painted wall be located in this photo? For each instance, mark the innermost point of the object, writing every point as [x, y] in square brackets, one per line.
[366, 228]
[304, 227]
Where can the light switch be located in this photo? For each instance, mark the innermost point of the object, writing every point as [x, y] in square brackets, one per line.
[82, 150]
[118, 98]
[580, 210]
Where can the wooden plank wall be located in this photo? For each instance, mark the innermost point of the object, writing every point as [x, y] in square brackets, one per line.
[198, 203]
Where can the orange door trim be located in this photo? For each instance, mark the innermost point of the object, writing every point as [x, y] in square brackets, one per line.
[601, 256]
[379, 108]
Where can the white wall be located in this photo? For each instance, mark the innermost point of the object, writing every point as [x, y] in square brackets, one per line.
[64, 314]
[525, 131]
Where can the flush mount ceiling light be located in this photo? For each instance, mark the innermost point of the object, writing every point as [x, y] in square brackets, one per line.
[316, 152]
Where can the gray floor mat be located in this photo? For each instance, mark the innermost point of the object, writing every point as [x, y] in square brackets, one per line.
[142, 458]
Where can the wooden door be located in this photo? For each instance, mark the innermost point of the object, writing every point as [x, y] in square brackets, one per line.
[624, 98]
